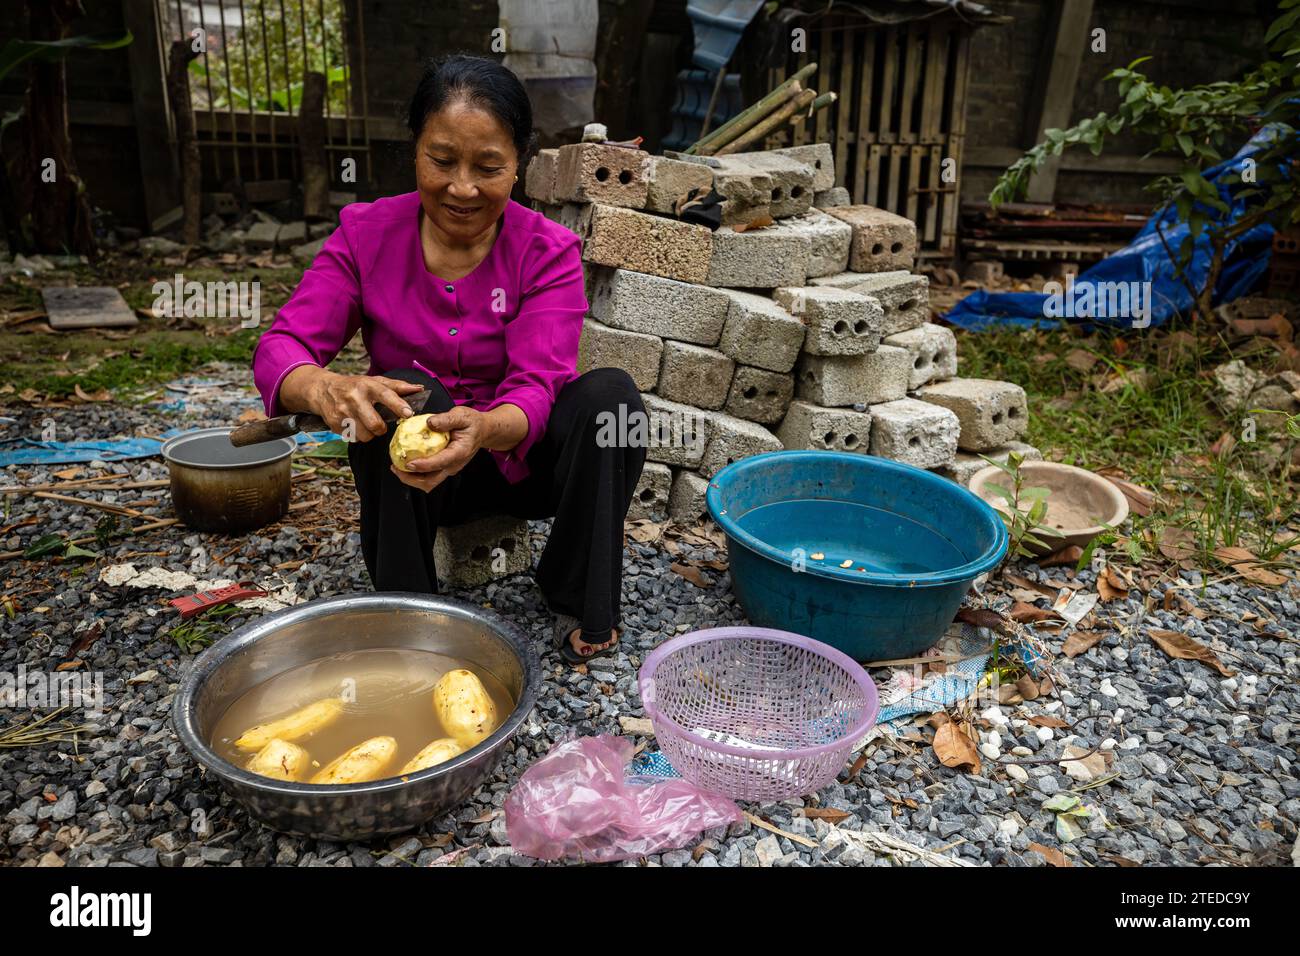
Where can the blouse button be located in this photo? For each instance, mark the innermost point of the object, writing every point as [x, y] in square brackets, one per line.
[451, 331]
[451, 288]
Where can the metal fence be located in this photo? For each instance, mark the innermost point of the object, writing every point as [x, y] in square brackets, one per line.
[246, 85]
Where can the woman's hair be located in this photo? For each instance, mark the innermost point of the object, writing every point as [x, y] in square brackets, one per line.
[478, 80]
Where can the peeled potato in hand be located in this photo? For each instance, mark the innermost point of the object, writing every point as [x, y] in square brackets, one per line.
[440, 751]
[464, 707]
[412, 439]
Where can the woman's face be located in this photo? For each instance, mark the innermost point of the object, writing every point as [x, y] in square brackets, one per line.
[465, 167]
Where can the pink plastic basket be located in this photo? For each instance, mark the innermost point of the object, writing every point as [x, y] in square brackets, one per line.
[754, 713]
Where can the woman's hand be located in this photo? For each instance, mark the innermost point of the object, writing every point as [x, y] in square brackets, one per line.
[467, 430]
[342, 398]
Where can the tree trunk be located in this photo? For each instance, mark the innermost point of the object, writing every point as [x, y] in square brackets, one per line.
[187, 143]
[47, 209]
[311, 149]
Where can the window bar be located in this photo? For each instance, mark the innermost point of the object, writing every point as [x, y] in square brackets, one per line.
[266, 63]
[344, 6]
[230, 91]
[207, 77]
[288, 83]
[365, 96]
[325, 64]
[248, 88]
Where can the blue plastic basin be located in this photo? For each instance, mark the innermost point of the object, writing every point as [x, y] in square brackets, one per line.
[919, 538]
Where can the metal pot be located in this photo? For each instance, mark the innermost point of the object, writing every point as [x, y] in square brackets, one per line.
[259, 651]
[219, 487]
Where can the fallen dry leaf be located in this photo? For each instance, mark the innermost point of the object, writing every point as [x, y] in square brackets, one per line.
[979, 617]
[1028, 687]
[1047, 720]
[954, 747]
[1110, 586]
[1247, 565]
[1023, 613]
[1176, 544]
[1081, 641]
[690, 573]
[829, 814]
[1080, 360]
[1141, 501]
[1053, 856]
[1068, 555]
[1172, 598]
[1179, 645]
[1046, 590]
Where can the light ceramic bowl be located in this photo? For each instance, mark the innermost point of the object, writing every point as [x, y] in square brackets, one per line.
[1080, 504]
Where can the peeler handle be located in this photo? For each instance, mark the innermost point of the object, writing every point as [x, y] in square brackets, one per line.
[283, 426]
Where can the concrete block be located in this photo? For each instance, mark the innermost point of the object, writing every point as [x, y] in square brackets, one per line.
[671, 180]
[965, 464]
[991, 413]
[568, 214]
[830, 429]
[730, 439]
[626, 239]
[833, 381]
[882, 241]
[792, 181]
[592, 172]
[818, 156]
[885, 374]
[694, 375]
[676, 433]
[835, 196]
[756, 259]
[934, 353]
[746, 193]
[828, 240]
[291, 234]
[650, 500]
[686, 502]
[634, 352]
[759, 395]
[915, 433]
[539, 180]
[839, 322]
[474, 553]
[261, 235]
[904, 298]
[308, 251]
[654, 305]
[759, 332]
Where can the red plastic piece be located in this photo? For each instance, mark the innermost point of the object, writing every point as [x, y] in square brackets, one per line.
[200, 601]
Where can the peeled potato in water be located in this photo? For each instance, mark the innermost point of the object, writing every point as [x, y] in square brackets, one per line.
[412, 439]
[464, 707]
[280, 759]
[440, 751]
[301, 723]
[365, 761]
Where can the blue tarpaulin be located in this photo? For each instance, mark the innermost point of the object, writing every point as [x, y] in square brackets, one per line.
[32, 452]
[1138, 285]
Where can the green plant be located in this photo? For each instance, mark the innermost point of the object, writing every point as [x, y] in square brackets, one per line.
[1024, 525]
[1200, 126]
[199, 632]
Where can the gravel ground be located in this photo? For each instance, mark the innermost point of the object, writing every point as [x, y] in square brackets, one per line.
[1200, 768]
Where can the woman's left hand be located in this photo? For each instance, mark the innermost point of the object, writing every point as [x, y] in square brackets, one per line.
[466, 431]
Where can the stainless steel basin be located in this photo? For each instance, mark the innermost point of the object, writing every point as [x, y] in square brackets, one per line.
[297, 635]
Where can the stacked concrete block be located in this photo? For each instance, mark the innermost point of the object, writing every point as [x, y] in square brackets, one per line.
[686, 502]
[650, 500]
[839, 322]
[759, 332]
[759, 395]
[757, 259]
[595, 173]
[653, 305]
[671, 180]
[882, 241]
[626, 239]
[787, 326]
[904, 298]
[934, 353]
[828, 241]
[991, 413]
[828, 429]
[965, 464]
[915, 433]
[467, 555]
[730, 439]
[694, 375]
[639, 354]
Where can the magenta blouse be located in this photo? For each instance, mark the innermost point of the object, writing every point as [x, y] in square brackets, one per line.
[507, 332]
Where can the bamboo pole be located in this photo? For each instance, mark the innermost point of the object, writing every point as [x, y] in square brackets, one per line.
[771, 122]
[740, 121]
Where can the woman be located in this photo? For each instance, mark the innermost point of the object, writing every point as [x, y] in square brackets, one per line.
[459, 289]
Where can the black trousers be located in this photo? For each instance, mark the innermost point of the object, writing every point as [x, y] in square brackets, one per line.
[584, 487]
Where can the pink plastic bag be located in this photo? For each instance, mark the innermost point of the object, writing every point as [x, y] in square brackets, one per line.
[575, 802]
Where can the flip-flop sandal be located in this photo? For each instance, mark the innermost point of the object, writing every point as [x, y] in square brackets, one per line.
[564, 625]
